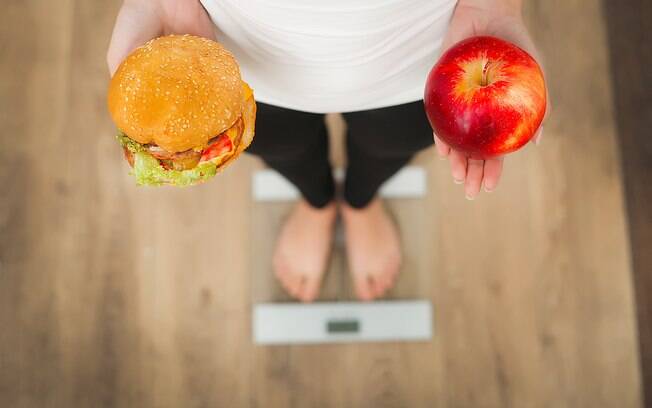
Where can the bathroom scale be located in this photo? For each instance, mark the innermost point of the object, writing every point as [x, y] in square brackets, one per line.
[277, 322]
[342, 322]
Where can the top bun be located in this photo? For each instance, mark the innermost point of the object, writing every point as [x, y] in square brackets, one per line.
[177, 92]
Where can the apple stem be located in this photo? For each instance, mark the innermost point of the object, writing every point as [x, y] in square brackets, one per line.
[485, 68]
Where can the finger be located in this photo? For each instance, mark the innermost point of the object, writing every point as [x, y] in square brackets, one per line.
[363, 287]
[474, 172]
[442, 148]
[538, 136]
[493, 168]
[458, 166]
[136, 24]
[548, 104]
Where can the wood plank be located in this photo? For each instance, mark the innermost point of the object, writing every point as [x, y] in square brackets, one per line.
[628, 29]
[34, 95]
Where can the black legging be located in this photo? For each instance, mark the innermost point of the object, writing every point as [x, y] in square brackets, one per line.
[379, 142]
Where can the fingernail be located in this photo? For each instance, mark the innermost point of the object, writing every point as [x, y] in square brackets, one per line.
[470, 197]
[456, 181]
[488, 190]
[539, 136]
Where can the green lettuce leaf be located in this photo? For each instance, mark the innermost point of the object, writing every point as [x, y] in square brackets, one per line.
[131, 145]
[148, 172]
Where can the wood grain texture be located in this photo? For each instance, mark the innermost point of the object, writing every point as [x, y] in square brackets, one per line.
[628, 31]
[117, 296]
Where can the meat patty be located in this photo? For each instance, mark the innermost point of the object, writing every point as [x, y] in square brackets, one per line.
[190, 158]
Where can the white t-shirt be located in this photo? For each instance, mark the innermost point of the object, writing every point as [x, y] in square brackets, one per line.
[333, 55]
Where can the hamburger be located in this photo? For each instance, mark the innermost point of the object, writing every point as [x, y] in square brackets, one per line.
[182, 110]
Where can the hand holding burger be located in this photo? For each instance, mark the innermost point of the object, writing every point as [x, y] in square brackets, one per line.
[138, 22]
[182, 110]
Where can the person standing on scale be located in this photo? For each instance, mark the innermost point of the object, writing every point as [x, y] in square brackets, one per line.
[368, 59]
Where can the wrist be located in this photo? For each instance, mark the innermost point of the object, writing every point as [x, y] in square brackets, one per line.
[513, 7]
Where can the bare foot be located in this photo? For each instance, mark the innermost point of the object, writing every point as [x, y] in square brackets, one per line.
[373, 249]
[303, 248]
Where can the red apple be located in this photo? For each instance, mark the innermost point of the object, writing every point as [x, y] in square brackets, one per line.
[485, 97]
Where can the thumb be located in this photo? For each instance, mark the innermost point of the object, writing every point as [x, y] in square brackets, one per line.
[136, 24]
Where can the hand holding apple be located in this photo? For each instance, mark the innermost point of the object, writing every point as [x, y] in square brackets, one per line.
[485, 97]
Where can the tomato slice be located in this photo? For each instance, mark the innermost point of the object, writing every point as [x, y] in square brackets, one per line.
[129, 156]
[220, 146]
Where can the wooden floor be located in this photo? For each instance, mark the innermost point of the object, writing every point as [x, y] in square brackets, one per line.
[117, 296]
[629, 30]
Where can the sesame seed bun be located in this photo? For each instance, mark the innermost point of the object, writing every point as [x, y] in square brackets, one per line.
[177, 92]
[249, 119]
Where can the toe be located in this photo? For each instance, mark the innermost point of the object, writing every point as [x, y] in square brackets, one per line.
[290, 282]
[377, 288]
[363, 287]
[309, 289]
[384, 283]
[295, 286]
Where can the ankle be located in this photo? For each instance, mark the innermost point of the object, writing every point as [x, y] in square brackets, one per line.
[327, 211]
[349, 211]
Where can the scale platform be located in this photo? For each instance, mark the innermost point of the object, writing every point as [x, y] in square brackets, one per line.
[409, 182]
[342, 322]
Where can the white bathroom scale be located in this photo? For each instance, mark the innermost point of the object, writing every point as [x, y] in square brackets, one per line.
[342, 322]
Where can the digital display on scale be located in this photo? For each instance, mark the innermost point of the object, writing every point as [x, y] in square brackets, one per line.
[343, 326]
